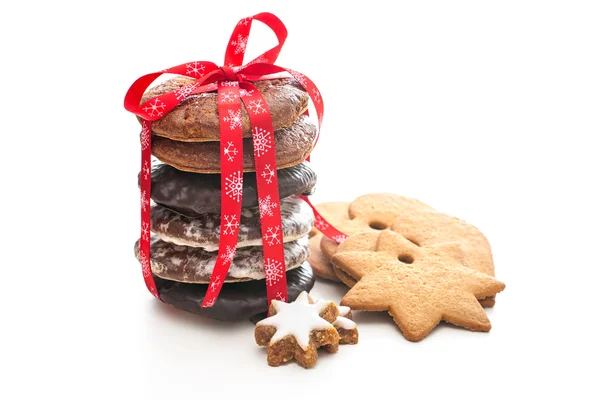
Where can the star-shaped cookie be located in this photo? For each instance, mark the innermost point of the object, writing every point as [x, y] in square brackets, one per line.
[297, 330]
[418, 286]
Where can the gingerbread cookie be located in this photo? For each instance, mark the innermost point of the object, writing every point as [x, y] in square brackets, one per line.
[371, 212]
[418, 285]
[196, 119]
[297, 330]
[417, 222]
[195, 265]
[203, 231]
[292, 144]
[192, 194]
[237, 301]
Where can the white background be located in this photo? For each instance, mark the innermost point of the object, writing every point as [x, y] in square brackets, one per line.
[485, 110]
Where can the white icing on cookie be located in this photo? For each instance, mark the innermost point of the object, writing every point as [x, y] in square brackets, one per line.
[297, 319]
[344, 323]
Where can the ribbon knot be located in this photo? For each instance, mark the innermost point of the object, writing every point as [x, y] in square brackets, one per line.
[230, 75]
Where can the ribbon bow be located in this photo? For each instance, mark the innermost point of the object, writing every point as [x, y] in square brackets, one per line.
[233, 84]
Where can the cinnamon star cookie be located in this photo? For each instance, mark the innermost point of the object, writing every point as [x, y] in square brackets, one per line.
[196, 119]
[292, 144]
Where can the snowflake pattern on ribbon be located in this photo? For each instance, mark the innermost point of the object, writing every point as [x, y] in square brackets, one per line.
[215, 285]
[146, 231]
[272, 236]
[145, 203]
[279, 296]
[256, 106]
[234, 119]
[339, 238]
[320, 224]
[234, 186]
[268, 173]
[186, 90]
[230, 224]
[272, 273]
[146, 270]
[244, 21]
[155, 108]
[229, 97]
[266, 206]
[146, 170]
[209, 304]
[230, 151]
[261, 141]
[145, 137]
[240, 44]
[228, 255]
[299, 77]
[195, 69]
[316, 95]
[246, 93]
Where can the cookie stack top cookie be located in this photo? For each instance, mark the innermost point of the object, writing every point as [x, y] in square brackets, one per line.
[188, 136]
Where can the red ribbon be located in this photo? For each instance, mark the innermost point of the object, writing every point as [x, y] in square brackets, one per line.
[232, 82]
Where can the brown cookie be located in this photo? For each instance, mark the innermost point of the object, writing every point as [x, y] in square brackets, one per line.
[196, 118]
[418, 223]
[195, 265]
[297, 330]
[371, 212]
[292, 144]
[418, 285]
[204, 230]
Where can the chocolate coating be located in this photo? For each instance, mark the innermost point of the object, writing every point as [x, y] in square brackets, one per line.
[196, 265]
[204, 230]
[236, 301]
[194, 194]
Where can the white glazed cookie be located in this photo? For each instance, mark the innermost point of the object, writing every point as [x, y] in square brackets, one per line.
[297, 330]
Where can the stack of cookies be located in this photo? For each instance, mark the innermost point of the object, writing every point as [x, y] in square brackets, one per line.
[186, 191]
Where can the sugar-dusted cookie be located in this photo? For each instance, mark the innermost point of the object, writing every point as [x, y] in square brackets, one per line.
[204, 230]
[193, 194]
[292, 145]
[195, 265]
[196, 119]
[297, 330]
[418, 285]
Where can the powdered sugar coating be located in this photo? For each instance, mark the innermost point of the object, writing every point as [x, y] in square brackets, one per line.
[296, 218]
[195, 265]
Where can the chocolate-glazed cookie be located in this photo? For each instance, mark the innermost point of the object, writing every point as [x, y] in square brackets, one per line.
[204, 231]
[194, 194]
[292, 144]
[196, 119]
[236, 301]
[195, 265]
